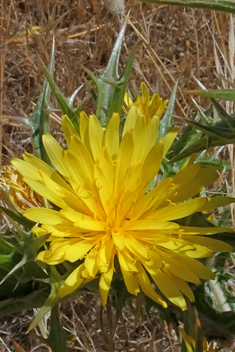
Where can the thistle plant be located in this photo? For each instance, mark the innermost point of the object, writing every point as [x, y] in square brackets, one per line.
[109, 211]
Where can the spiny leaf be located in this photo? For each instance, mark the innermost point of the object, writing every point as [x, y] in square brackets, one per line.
[65, 104]
[39, 120]
[167, 121]
[29, 249]
[110, 85]
[219, 5]
[18, 303]
[224, 94]
[217, 135]
[55, 281]
[20, 219]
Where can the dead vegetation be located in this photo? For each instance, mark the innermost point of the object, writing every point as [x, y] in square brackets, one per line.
[172, 41]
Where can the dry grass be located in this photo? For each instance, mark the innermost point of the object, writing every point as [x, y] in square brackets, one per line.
[173, 41]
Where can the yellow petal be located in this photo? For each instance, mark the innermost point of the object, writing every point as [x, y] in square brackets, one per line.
[169, 289]
[58, 231]
[185, 175]
[138, 249]
[83, 155]
[26, 170]
[211, 243]
[182, 286]
[45, 192]
[96, 135]
[77, 250]
[130, 282]
[104, 285]
[39, 231]
[192, 231]
[147, 288]
[41, 165]
[55, 153]
[76, 170]
[204, 178]
[104, 178]
[55, 255]
[131, 119]
[46, 216]
[69, 197]
[112, 136]
[74, 216]
[197, 267]
[154, 263]
[56, 258]
[72, 282]
[152, 225]
[173, 212]
[118, 239]
[176, 266]
[169, 138]
[216, 202]
[145, 92]
[106, 254]
[91, 263]
[152, 199]
[188, 340]
[90, 225]
[68, 129]
[150, 137]
[124, 158]
[138, 135]
[152, 165]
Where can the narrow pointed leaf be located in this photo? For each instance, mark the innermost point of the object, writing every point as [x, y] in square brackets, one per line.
[39, 120]
[223, 94]
[57, 336]
[55, 281]
[110, 85]
[13, 305]
[166, 122]
[20, 219]
[64, 103]
[216, 5]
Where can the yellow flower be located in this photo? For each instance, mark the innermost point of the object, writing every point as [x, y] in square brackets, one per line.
[190, 343]
[105, 211]
[16, 193]
[146, 106]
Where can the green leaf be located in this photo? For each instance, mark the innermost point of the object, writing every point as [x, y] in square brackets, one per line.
[166, 123]
[20, 219]
[57, 336]
[55, 280]
[29, 249]
[224, 94]
[219, 5]
[217, 135]
[213, 160]
[110, 85]
[64, 103]
[39, 120]
[19, 303]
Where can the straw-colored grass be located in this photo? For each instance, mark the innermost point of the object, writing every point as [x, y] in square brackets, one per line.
[172, 41]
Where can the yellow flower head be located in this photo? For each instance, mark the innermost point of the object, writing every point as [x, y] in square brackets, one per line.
[15, 192]
[146, 106]
[105, 211]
